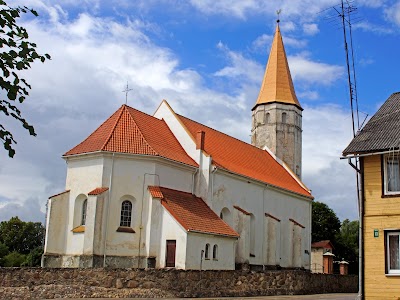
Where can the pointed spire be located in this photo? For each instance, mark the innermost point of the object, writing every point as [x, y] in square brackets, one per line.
[277, 85]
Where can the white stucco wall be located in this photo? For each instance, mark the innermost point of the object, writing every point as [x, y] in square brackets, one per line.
[172, 230]
[130, 177]
[57, 216]
[225, 259]
[258, 199]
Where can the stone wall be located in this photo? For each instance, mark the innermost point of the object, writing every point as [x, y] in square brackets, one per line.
[34, 283]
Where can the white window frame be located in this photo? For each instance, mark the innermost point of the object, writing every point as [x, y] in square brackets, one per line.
[387, 256]
[386, 174]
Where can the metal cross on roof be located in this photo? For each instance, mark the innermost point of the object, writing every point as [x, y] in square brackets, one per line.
[126, 91]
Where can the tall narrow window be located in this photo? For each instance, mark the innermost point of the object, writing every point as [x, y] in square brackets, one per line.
[215, 252]
[267, 118]
[393, 252]
[283, 117]
[207, 252]
[84, 210]
[126, 214]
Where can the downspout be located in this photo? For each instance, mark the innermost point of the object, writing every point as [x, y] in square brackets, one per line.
[108, 210]
[360, 193]
[360, 198]
[141, 213]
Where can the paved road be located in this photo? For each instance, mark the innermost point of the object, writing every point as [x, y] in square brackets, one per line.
[300, 297]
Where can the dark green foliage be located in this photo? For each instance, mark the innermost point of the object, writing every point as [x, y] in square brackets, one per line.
[21, 236]
[347, 241]
[14, 259]
[3, 250]
[344, 236]
[34, 258]
[325, 223]
[16, 54]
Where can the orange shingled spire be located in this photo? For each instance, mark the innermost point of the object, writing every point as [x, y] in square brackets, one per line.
[277, 85]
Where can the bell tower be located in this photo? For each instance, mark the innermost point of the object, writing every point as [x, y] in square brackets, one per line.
[277, 114]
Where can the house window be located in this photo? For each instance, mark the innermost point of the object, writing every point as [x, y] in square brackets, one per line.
[392, 175]
[215, 252]
[126, 214]
[392, 252]
[207, 252]
[84, 211]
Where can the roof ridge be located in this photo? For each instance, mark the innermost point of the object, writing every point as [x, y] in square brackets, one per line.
[226, 135]
[144, 138]
[113, 128]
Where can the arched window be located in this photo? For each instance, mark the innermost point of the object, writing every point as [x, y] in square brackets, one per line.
[215, 252]
[84, 211]
[126, 213]
[207, 252]
[221, 215]
[267, 117]
[283, 117]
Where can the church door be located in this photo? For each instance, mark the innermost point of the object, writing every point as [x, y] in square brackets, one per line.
[170, 256]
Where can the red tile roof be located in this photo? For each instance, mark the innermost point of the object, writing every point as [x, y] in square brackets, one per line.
[322, 244]
[98, 191]
[192, 212]
[155, 192]
[239, 157]
[131, 131]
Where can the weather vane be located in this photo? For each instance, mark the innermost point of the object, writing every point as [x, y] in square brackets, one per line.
[126, 91]
[278, 12]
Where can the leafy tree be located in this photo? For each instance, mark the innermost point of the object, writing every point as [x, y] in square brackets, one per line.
[325, 223]
[16, 54]
[21, 236]
[33, 259]
[347, 240]
[14, 259]
[3, 250]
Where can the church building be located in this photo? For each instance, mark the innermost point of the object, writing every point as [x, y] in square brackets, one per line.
[163, 191]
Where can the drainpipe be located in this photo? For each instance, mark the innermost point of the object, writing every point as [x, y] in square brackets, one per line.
[141, 212]
[108, 210]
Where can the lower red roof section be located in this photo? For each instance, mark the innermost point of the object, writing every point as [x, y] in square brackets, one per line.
[191, 212]
[242, 158]
[98, 191]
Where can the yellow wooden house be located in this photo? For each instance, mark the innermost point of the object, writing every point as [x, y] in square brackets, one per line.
[377, 146]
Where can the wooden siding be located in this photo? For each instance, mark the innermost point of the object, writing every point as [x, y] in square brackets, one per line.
[379, 213]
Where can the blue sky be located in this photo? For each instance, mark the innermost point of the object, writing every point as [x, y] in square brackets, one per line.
[207, 58]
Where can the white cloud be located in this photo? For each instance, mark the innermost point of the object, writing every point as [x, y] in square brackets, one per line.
[332, 180]
[392, 13]
[375, 28]
[310, 28]
[239, 66]
[308, 71]
[262, 42]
